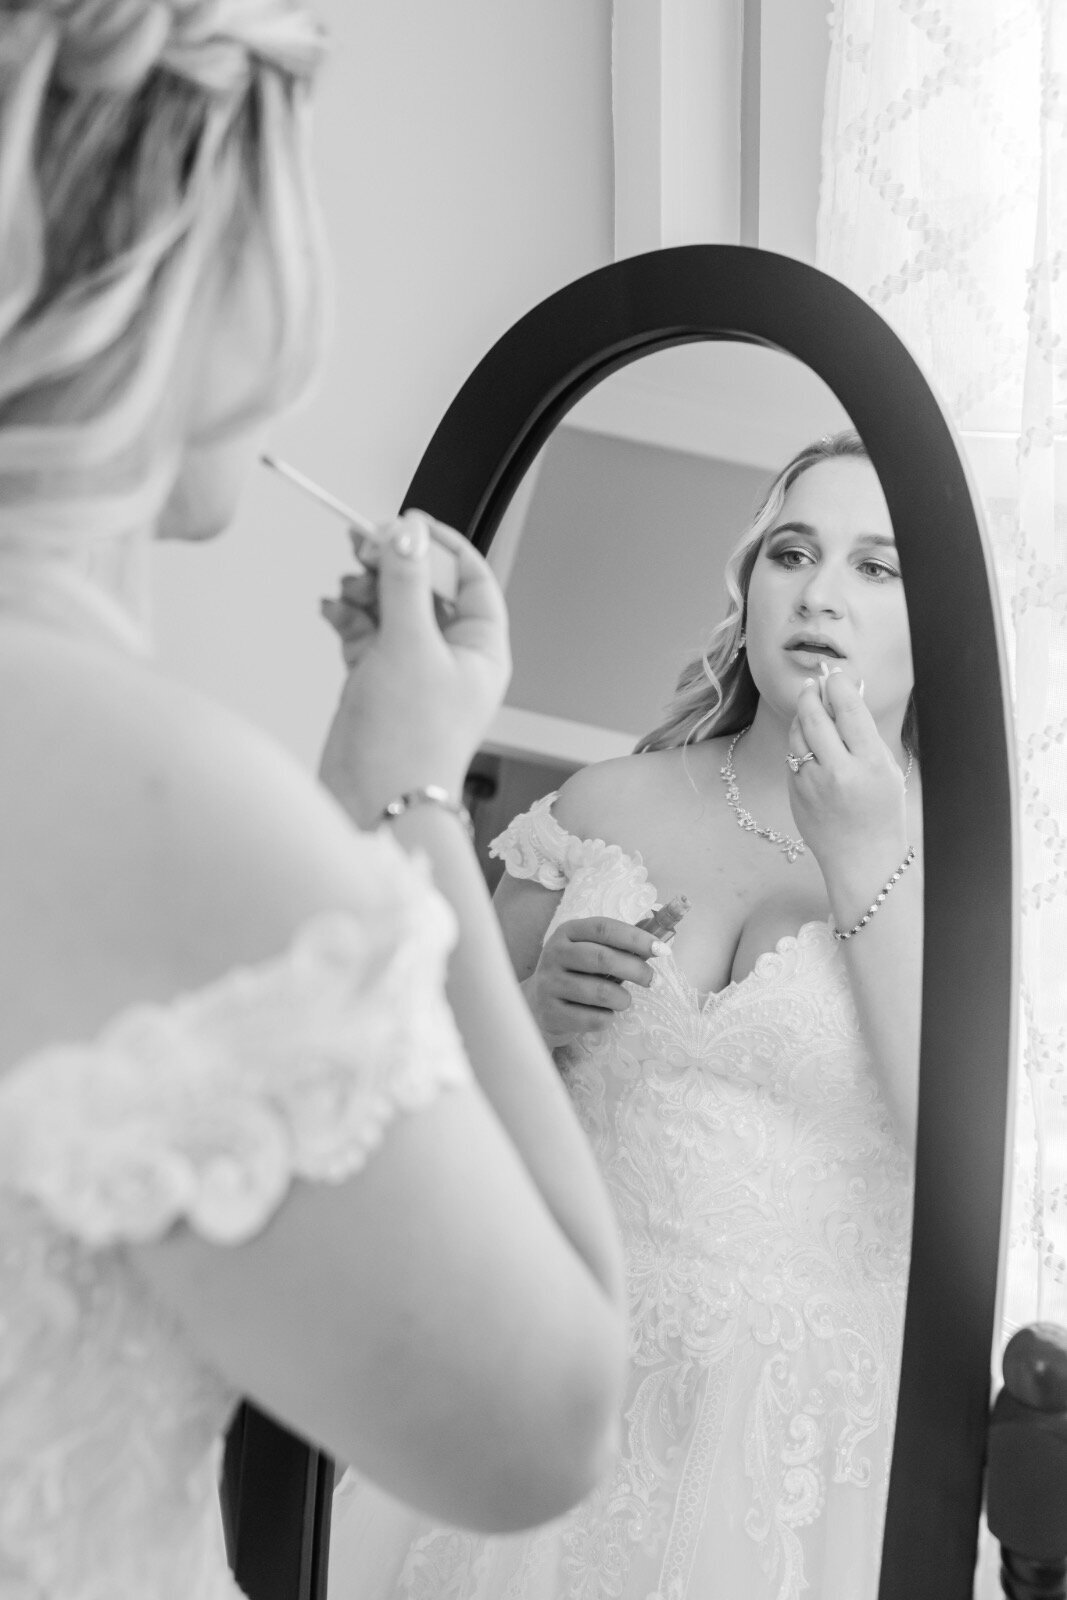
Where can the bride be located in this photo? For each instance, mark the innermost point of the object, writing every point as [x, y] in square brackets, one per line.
[749, 1090]
[247, 1145]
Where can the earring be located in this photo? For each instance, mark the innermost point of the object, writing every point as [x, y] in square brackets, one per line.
[738, 649]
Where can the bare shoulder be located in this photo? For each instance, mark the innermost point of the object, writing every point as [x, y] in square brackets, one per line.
[621, 800]
[150, 839]
[596, 795]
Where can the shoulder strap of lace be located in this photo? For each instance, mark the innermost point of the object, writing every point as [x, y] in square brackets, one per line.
[204, 1109]
[534, 845]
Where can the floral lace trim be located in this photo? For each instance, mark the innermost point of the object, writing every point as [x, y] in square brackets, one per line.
[535, 845]
[206, 1108]
[777, 963]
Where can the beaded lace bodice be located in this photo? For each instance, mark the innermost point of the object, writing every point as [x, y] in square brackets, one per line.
[764, 1205]
[201, 1111]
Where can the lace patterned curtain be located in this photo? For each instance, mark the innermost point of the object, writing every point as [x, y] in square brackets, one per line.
[944, 203]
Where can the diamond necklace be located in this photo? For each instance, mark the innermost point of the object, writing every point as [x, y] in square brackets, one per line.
[791, 848]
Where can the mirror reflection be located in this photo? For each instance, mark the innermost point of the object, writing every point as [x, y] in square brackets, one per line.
[710, 717]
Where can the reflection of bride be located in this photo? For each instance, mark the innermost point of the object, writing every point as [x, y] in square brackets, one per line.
[749, 1092]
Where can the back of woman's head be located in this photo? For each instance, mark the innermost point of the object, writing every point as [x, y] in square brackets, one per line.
[146, 147]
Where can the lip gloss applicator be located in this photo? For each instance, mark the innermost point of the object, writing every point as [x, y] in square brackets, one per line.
[443, 575]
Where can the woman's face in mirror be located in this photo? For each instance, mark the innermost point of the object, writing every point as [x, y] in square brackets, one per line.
[827, 573]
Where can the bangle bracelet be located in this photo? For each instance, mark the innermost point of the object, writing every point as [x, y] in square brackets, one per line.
[428, 794]
[876, 904]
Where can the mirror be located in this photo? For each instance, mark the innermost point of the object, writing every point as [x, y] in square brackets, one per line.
[613, 552]
[475, 468]
[492, 432]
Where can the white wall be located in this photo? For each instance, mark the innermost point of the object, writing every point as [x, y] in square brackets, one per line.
[718, 112]
[794, 53]
[465, 167]
[618, 579]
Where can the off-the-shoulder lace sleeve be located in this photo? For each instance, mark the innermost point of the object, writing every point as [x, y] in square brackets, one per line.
[534, 845]
[206, 1108]
[597, 878]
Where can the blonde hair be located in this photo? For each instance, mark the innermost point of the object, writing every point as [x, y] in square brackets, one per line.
[144, 145]
[716, 693]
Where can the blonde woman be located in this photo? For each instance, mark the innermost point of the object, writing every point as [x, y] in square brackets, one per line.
[749, 1090]
[275, 1120]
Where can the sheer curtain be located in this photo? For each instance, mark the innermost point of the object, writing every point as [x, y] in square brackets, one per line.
[944, 203]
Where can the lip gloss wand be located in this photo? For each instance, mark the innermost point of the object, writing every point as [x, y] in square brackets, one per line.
[443, 575]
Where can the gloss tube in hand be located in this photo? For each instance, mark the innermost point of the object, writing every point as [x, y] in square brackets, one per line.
[662, 924]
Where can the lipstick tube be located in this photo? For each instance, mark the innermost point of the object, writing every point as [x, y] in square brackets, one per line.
[661, 924]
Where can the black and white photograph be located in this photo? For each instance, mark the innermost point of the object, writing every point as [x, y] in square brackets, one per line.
[533, 818]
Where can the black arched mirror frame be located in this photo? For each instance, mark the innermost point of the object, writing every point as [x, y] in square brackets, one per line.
[487, 439]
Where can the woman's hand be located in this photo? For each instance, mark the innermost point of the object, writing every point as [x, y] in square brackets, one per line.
[577, 985]
[849, 802]
[421, 692]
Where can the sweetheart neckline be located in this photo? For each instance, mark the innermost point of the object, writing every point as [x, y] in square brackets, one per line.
[703, 997]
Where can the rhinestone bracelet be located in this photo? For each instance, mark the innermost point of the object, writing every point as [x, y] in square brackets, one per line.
[432, 794]
[876, 904]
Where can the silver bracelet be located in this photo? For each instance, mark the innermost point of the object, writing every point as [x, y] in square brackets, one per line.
[876, 904]
[427, 794]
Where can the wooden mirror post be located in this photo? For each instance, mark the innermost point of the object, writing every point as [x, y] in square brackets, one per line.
[276, 1493]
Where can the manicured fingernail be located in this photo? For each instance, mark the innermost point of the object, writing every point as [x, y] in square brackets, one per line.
[830, 671]
[411, 539]
[808, 683]
[658, 947]
[824, 667]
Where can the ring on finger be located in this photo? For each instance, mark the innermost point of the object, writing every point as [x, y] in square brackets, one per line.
[796, 762]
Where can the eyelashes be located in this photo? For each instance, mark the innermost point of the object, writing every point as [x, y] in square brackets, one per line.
[884, 572]
[878, 571]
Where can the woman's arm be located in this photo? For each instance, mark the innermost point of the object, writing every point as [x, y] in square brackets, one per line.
[447, 1320]
[508, 1053]
[885, 962]
[524, 909]
[403, 659]
[850, 806]
[573, 982]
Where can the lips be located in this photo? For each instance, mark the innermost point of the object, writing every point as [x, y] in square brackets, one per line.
[814, 644]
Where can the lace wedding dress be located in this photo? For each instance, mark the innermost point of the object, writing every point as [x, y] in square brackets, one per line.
[201, 1111]
[765, 1204]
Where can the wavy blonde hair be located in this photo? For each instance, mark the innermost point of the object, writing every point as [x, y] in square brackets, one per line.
[716, 693]
[145, 146]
